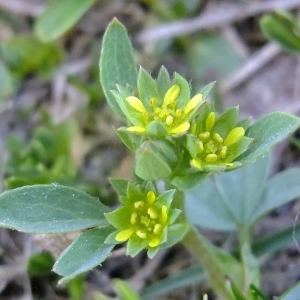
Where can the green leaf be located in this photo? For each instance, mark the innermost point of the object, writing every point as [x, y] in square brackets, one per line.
[291, 294]
[50, 209]
[226, 201]
[279, 190]
[85, 253]
[116, 64]
[267, 132]
[176, 233]
[283, 29]
[59, 17]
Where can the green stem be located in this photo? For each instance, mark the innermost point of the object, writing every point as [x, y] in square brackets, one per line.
[198, 246]
[202, 250]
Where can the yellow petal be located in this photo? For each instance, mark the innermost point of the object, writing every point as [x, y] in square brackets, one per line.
[164, 214]
[193, 103]
[172, 94]
[154, 242]
[181, 128]
[124, 235]
[136, 129]
[210, 121]
[136, 103]
[234, 135]
[150, 197]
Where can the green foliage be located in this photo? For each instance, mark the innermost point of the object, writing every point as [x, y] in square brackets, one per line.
[282, 28]
[236, 200]
[50, 209]
[116, 65]
[85, 253]
[268, 131]
[26, 54]
[46, 158]
[40, 264]
[59, 17]
[177, 139]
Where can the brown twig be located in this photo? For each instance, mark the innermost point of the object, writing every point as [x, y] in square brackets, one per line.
[212, 18]
[251, 66]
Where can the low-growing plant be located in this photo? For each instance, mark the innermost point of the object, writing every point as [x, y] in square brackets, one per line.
[179, 143]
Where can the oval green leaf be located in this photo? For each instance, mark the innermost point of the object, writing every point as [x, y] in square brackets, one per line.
[116, 64]
[266, 133]
[85, 253]
[60, 16]
[50, 209]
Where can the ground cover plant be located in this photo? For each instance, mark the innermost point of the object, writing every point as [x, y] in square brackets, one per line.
[179, 142]
[197, 167]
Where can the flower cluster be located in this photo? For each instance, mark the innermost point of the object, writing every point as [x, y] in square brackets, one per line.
[175, 135]
[169, 113]
[215, 143]
[144, 219]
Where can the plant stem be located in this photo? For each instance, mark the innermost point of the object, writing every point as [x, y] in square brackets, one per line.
[198, 246]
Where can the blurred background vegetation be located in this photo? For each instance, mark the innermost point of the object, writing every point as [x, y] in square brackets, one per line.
[55, 125]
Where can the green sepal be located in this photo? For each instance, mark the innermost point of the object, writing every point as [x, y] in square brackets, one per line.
[226, 122]
[202, 115]
[174, 214]
[111, 238]
[165, 198]
[120, 218]
[147, 87]
[157, 129]
[191, 145]
[135, 245]
[163, 83]
[132, 115]
[214, 168]
[155, 159]
[176, 233]
[152, 251]
[129, 139]
[245, 123]
[134, 192]
[206, 89]
[184, 96]
[238, 148]
[187, 181]
[120, 185]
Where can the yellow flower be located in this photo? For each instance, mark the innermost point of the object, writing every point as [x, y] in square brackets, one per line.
[213, 149]
[175, 118]
[146, 221]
